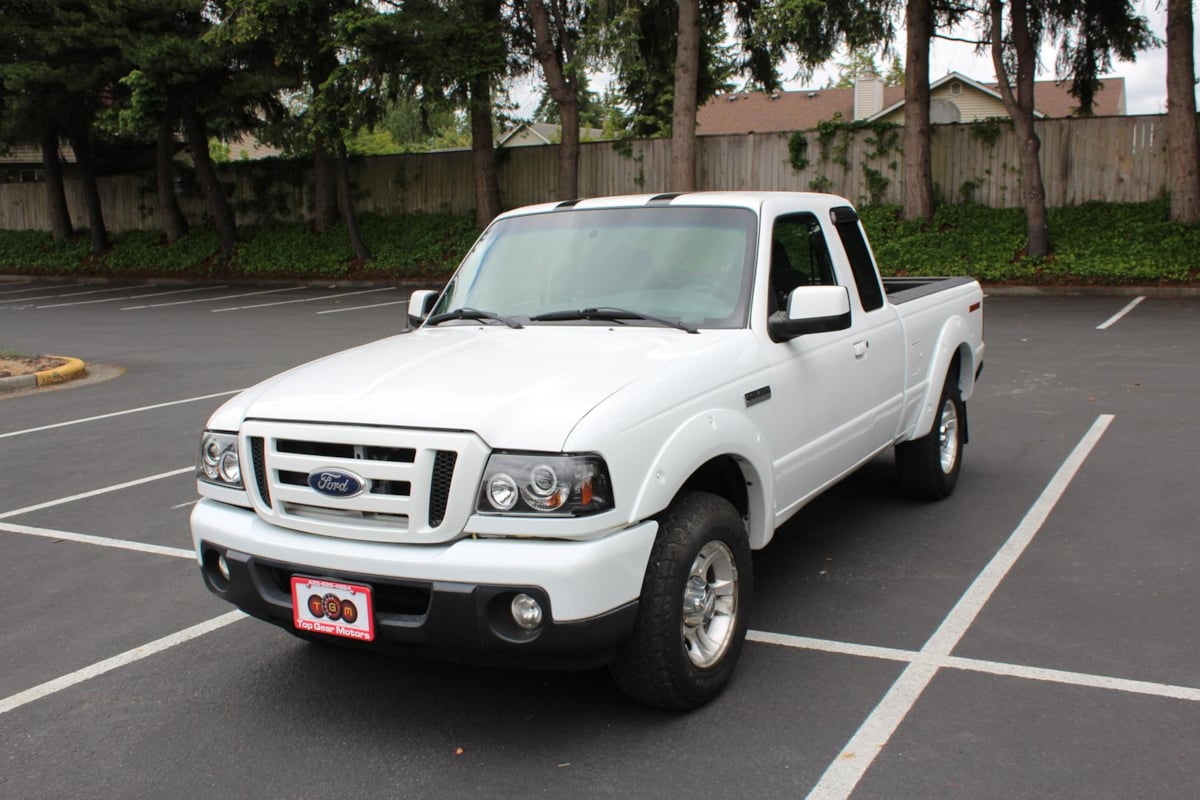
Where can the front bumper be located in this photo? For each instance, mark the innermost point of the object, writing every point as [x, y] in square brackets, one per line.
[448, 600]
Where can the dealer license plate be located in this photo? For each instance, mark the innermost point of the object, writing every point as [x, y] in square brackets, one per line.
[332, 608]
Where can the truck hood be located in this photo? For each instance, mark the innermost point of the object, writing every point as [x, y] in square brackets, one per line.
[524, 388]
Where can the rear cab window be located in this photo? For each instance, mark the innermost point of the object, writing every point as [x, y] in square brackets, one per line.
[866, 276]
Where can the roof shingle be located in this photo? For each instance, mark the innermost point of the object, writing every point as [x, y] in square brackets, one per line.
[759, 112]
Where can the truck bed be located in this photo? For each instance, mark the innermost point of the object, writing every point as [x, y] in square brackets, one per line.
[901, 290]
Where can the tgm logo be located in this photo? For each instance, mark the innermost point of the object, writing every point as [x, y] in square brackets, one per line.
[336, 482]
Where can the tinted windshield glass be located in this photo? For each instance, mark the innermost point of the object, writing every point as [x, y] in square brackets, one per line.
[688, 264]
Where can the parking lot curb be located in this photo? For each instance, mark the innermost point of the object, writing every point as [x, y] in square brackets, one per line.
[1006, 290]
[74, 368]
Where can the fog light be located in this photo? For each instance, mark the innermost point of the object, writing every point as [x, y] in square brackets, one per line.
[223, 566]
[526, 612]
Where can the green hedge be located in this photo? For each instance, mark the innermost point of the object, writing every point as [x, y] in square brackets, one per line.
[1094, 243]
[417, 245]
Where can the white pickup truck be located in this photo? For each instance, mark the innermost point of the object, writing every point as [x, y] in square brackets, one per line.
[569, 459]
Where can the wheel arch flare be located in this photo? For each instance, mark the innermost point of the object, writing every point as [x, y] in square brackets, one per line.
[721, 452]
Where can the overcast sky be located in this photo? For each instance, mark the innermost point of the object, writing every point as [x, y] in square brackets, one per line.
[1145, 79]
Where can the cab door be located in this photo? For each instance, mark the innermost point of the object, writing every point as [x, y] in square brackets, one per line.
[880, 339]
[821, 405]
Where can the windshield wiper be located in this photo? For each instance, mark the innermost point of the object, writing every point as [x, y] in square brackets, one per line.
[609, 313]
[472, 313]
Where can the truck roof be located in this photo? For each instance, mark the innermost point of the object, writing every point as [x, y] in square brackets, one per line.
[811, 201]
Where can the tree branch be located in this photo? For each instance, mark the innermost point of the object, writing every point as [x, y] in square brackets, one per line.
[977, 42]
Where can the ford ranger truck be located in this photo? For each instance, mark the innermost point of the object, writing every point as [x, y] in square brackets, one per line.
[569, 456]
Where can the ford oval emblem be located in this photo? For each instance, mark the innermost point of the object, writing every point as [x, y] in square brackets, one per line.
[336, 482]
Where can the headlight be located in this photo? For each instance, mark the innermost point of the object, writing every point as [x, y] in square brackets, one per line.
[219, 459]
[542, 484]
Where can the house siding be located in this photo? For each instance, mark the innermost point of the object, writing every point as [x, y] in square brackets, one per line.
[973, 104]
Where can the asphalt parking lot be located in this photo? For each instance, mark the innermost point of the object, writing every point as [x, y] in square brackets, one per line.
[1036, 635]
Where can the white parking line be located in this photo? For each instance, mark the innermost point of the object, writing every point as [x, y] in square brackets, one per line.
[1167, 690]
[16, 291]
[93, 493]
[361, 308]
[76, 294]
[99, 541]
[38, 288]
[117, 414]
[304, 300]
[212, 299]
[1117, 317]
[840, 778]
[132, 297]
[1000, 668]
[109, 664]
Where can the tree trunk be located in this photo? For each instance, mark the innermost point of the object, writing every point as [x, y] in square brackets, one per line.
[56, 194]
[683, 117]
[483, 151]
[1020, 108]
[81, 143]
[347, 204]
[325, 189]
[1183, 148]
[196, 128]
[565, 93]
[918, 169]
[568, 151]
[174, 224]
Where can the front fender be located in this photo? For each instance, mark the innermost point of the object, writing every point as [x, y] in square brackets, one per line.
[698, 440]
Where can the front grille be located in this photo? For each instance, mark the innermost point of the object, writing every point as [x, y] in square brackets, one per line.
[409, 493]
[361, 520]
[397, 488]
[399, 455]
[439, 486]
[260, 470]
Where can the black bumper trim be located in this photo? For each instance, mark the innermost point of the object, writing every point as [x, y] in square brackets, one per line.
[458, 621]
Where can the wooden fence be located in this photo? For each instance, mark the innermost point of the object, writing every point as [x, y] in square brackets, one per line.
[1113, 159]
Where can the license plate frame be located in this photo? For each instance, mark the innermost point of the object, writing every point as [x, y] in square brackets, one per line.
[333, 608]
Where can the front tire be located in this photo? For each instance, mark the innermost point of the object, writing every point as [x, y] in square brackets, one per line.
[694, 607]
[928, 467]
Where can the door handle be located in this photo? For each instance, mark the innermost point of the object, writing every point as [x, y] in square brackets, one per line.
[860, 348]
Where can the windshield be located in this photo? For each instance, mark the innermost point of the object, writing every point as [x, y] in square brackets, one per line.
[691, 265]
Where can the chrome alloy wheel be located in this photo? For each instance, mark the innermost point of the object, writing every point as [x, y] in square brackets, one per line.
[710, 604]
[948, 436]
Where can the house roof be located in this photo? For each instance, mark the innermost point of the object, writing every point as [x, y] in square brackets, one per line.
[992, 91]
[542, 133]
[31, 154]
[1053, 98]
[760, 112]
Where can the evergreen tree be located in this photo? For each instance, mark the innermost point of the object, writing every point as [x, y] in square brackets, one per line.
[1087, 30]
[58, 62]
[556, 31]
[1183, 149]
[452, 52]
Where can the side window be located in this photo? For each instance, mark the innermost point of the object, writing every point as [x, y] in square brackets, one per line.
[866, 277]
[799, 257]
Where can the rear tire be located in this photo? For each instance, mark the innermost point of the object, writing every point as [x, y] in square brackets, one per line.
[694, 607]
[928, 467]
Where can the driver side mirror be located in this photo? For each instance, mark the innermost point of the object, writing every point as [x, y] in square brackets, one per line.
[811, 309]
[420, 303]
